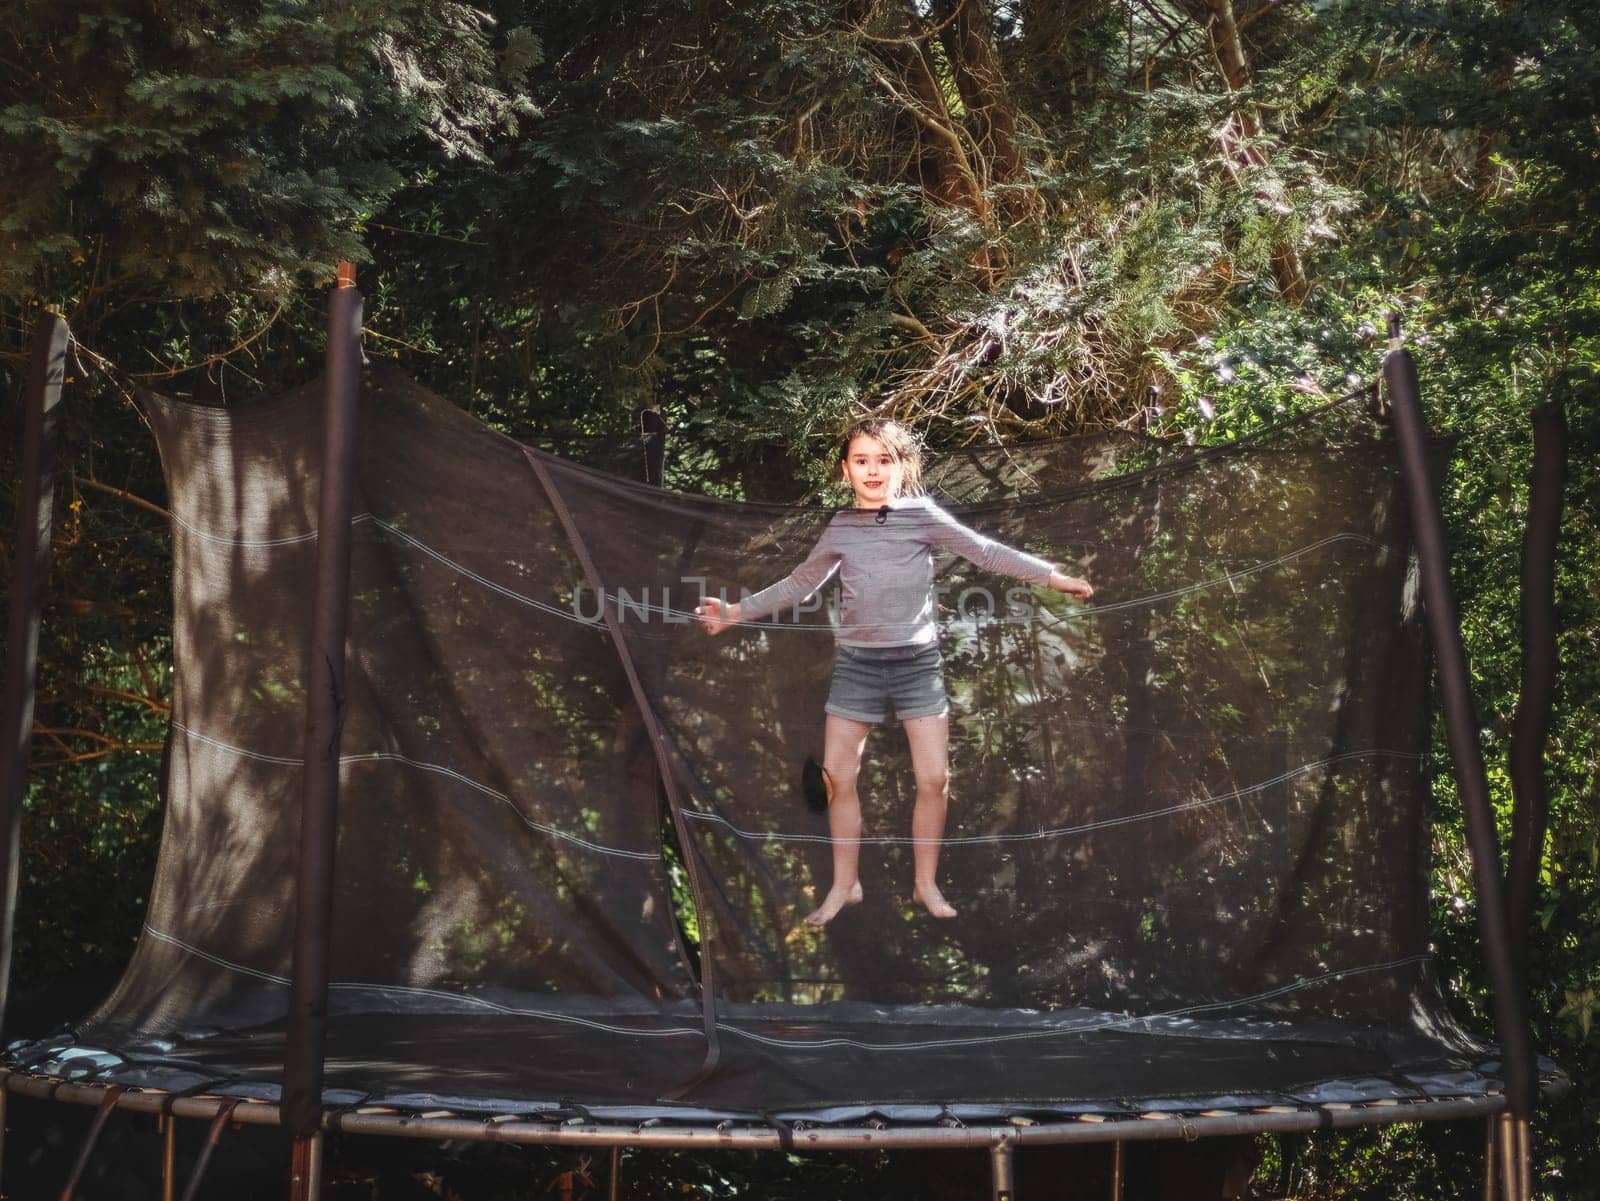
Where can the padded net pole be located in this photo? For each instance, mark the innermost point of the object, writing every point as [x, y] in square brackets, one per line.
[29, 576]
[1531, 726]
[653, 435]
[325, 699]
[1450, 655]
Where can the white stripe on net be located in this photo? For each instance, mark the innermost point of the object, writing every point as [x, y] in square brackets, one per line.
[1153, 598]
[1105, 1022]
[687, 616]
[466, 1000]
[356, 760]
[565, 613]
[1107, 823]
[257, 543]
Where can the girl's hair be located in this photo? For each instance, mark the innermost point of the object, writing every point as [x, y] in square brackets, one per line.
[901, 444]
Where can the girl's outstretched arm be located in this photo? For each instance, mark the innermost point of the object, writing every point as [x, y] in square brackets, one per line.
[717, 615]
[949, 534]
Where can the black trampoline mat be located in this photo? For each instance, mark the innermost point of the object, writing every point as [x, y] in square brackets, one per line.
[823, 1063]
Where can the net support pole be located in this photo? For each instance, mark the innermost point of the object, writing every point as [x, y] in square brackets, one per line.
[1507, 1000]
[653, 437]
[1531, 726]
[306, 1038]
[30, 574]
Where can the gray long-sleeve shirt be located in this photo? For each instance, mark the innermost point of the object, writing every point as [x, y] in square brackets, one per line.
[884, 558]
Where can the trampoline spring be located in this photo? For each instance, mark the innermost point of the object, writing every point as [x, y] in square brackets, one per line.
[784, 1129]
[107, 1104]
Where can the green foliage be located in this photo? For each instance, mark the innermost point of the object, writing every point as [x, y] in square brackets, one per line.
[741, 212]
[192, 148]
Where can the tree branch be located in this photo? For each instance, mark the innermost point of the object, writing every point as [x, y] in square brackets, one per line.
[136, 501]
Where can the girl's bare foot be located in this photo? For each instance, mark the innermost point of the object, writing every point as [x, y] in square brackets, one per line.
[836, 900]
[933, 901]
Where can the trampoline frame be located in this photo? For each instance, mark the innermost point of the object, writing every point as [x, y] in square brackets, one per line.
[1001, 1139]
[302, 1110]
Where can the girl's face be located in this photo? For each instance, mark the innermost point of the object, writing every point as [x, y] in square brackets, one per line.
[872, 472]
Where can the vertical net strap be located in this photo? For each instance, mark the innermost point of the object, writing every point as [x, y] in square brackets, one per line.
[708, 993]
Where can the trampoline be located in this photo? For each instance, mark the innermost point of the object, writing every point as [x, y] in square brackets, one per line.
[522, 855]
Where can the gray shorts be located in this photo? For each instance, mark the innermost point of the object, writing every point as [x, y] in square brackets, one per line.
[867, 681]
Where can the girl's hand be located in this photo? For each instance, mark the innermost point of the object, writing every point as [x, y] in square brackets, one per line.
[1071, 585]
[717, 616]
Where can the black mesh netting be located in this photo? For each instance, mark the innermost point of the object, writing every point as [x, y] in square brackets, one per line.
[1186, 832]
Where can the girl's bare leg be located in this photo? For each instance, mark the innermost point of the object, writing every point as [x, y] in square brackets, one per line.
[929, 738]
[842, 741]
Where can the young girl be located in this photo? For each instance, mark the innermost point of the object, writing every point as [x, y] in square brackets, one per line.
[888, 650]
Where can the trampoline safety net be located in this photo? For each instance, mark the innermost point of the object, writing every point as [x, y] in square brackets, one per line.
[1186, 834]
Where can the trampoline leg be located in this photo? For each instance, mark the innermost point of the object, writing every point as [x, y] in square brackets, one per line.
[305, 1179]
[1516, 1166]
[1117, 1150]
[1525, 1158]
[1000, 1168]
[1508, 1158]
[213, 1136]
[168, 1126]
[4, 1093]
[1490, 1168]
[615, 1183]
[99, 1124]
